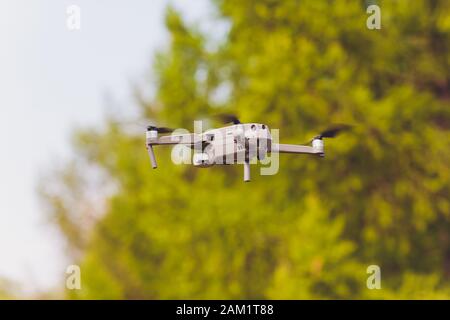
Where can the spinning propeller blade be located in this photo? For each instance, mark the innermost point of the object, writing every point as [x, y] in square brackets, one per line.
[227, 118]
[333, 131]
[160, 129]
[141, 126]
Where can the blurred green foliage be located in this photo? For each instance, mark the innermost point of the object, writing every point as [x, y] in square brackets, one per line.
[381, 195]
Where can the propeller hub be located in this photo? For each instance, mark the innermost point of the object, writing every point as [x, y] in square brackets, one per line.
[317, 144]
[152, 133]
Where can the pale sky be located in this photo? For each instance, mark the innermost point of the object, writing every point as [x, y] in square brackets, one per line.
[51, 81]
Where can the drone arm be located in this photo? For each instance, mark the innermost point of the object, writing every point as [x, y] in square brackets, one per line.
[186, 139]
[293, 148]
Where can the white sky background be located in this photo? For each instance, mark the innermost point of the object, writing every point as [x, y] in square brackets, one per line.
[53, 80]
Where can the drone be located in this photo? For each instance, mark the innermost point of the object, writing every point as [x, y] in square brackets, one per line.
[238, 143]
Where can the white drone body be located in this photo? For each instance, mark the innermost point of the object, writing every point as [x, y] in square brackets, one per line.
[233, 145]
[239, 143]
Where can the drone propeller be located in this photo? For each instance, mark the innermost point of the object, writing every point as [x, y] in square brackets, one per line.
[333, 131]
[160, 129]
[227, 118]
[137, 124]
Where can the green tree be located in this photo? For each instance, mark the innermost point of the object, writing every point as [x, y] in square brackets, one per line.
[379, 197]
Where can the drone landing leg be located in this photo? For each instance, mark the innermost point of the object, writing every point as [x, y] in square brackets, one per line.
[152, 156]
[246, 171]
